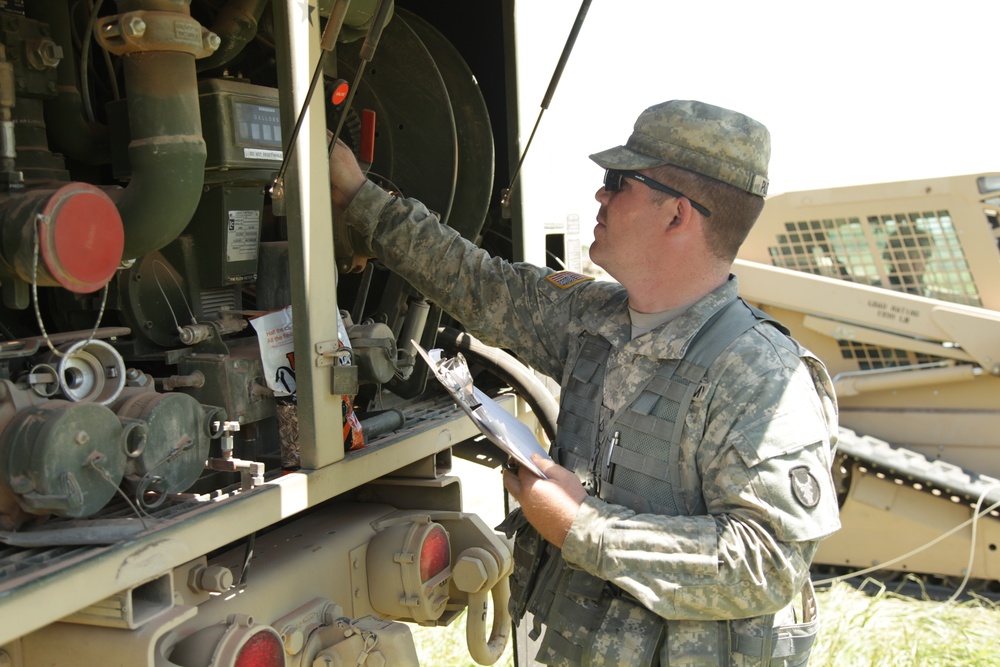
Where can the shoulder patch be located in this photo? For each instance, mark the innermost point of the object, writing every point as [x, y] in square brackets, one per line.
[805, 487]
[566, 279]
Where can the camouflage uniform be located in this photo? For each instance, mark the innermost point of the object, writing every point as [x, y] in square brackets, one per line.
[753, 454]
[746, 541]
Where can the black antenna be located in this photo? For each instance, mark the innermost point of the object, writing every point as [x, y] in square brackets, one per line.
[563, 59]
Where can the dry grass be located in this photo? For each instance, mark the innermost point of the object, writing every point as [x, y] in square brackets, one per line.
[883, 628]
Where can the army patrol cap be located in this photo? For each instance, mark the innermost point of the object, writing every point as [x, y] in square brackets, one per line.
[708, 140]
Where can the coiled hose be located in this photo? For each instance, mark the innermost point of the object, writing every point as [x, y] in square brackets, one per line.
[506, 367]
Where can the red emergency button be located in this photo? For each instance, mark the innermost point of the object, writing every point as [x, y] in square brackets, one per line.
[340, 90]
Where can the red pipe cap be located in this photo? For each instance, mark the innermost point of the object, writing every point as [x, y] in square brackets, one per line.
[82, 237]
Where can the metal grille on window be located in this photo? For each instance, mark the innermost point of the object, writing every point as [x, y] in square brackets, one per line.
[871, 357]
[916, 253]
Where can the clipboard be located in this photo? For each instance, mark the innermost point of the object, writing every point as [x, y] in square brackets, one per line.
[498, 425]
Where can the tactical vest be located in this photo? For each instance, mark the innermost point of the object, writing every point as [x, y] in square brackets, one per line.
[632, 460]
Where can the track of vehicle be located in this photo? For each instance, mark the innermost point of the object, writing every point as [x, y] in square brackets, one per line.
[859, 455]
[905, 466]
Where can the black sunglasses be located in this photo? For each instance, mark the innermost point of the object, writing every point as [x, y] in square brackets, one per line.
[613, 183]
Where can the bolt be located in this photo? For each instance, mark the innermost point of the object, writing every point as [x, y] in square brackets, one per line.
[469, 574]
[212, 579]
[136, 27]
[44, 53]
[214, 41]
[293, 640]
[82, 438]
[331, 612]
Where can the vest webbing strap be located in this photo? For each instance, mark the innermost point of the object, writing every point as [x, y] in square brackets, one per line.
[782, 647]
[680, 382]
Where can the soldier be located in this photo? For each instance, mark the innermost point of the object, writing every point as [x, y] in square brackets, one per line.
[691, 478]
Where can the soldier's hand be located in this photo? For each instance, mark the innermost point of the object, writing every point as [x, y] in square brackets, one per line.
[346, 177]
[550, 505]
[346, 180]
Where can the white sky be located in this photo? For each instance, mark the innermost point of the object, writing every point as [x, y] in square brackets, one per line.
[852, 91]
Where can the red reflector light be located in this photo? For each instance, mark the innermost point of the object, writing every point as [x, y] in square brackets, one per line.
[435, 553]
[263, 649]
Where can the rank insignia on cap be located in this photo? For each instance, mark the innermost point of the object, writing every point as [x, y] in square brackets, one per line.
[566, 279]
[804, 486]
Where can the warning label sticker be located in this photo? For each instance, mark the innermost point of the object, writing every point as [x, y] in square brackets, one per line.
[261, 154]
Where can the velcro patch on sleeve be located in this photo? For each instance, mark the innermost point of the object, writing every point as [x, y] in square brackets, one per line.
[566, 279]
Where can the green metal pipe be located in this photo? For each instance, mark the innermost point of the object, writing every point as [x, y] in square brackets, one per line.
[167, 152]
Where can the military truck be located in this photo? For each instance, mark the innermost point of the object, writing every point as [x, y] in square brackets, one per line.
[169, 495]
[894, 286]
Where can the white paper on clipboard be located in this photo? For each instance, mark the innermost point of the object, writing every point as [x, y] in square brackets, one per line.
[501, 427]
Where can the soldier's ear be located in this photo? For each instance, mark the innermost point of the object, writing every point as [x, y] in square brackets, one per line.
[677, 212]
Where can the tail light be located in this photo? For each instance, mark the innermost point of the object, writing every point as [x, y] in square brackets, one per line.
[435, 553]
[409, 569]
[237, 643]
[261, 649]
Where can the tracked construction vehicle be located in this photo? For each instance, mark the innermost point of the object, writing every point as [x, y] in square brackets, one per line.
[168, 496]
[897, 288]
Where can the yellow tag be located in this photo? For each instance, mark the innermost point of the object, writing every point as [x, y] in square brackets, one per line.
[566, 279]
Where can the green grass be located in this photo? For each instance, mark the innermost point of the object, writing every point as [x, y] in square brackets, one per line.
[856, 630]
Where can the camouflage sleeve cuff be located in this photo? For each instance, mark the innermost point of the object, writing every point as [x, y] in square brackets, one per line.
[583, 543]
[365, 209]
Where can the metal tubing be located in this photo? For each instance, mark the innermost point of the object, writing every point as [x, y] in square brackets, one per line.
[167, 153]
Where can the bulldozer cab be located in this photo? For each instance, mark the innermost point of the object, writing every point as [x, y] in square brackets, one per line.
[895, 287]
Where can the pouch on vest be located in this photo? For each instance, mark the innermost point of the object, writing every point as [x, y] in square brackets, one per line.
[787, 645]
[528, 552]
[589, 624]
[629, 634]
